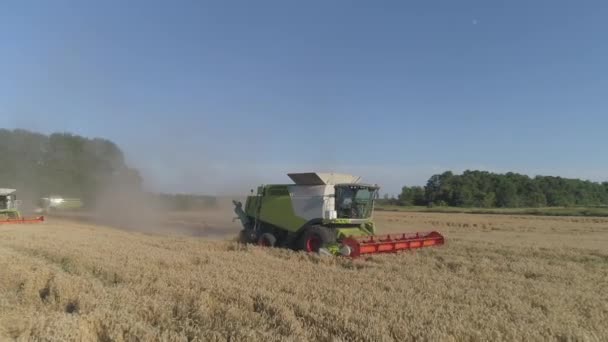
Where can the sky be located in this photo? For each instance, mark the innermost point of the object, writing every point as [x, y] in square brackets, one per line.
[218, 96]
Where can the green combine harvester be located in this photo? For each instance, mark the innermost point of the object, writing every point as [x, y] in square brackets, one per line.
[322, 212]
[9, 208]
[57, 203]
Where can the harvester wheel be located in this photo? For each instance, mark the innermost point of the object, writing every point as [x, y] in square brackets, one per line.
[245, 236]
[267, 240]
[315, 237]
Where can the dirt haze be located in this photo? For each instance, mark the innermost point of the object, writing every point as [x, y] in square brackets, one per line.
[124, 205]
[216, 222]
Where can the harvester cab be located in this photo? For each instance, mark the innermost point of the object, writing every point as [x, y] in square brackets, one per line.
[9, 208]
[9, 203]
[327, 212]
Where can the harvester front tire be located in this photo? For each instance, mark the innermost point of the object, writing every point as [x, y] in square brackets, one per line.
[316, 237]
[245, 237]
[267, 240]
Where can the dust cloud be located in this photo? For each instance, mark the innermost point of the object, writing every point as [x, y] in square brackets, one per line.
[127, 207]
[134, 210]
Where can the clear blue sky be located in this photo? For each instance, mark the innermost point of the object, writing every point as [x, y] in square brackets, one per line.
[212, 96]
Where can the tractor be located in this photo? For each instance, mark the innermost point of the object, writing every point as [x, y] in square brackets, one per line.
[329, 213]
[9, 208]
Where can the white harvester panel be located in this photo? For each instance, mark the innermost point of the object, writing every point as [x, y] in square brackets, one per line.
[323, 178]
[7, 199]
[310, 202]
[314, 195]
[6, 192]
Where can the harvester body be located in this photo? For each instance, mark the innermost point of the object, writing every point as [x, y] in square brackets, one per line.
[9, 208]
[327, 211]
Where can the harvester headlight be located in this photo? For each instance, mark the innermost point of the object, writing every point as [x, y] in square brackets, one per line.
[56, 201]
[345, 250]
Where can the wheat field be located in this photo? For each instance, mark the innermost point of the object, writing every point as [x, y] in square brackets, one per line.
[497, 278]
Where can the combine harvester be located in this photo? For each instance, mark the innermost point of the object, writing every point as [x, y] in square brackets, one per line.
[56, 203]
[322, 212]
[9, 209]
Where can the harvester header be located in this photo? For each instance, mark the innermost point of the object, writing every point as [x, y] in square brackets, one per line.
[327, 212]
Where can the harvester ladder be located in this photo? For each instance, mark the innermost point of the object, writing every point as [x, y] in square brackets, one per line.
[258, 210]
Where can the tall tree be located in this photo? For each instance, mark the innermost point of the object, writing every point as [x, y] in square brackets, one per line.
[62, 164]
[486, 189]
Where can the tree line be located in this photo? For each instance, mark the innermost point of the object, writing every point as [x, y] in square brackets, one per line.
[69, 165]
[63, 164]
[511, 190]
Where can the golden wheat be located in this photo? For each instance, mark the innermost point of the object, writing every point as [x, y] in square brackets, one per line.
[497, 278]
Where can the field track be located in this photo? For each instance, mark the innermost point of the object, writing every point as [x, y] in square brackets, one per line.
[497, 278]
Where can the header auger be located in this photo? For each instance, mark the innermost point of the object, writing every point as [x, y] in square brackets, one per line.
[9, 209]
[322, 212]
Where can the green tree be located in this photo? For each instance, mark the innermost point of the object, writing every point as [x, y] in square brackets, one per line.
[62, 164]
[489, 200]
[506, 194]
[486, 189]
[406, 197]
[418, 195]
